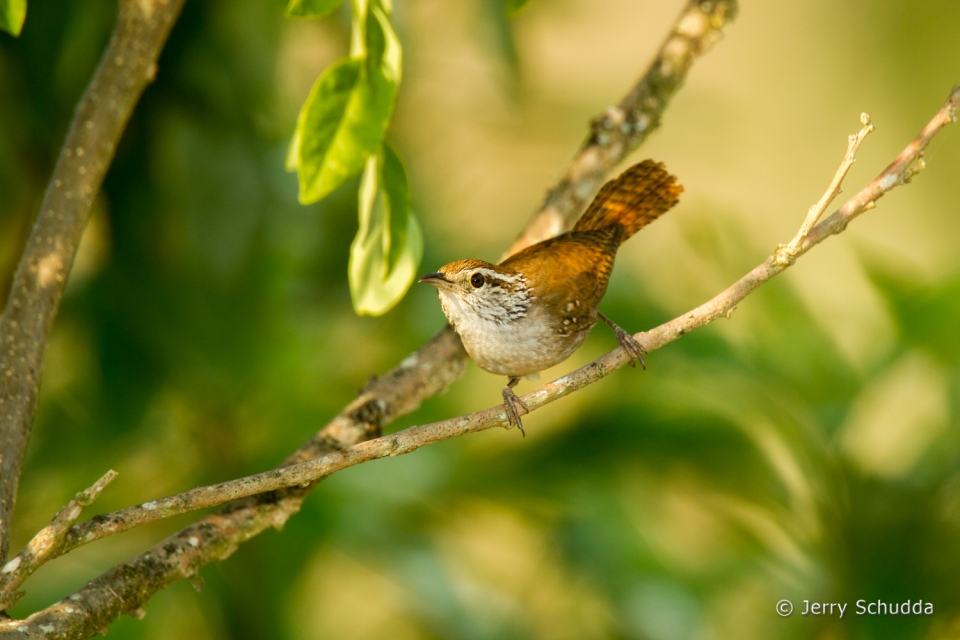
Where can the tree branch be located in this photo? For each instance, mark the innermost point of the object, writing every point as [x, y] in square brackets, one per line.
[128, 65]
[303, 475]
[426, 372]
[622, 128]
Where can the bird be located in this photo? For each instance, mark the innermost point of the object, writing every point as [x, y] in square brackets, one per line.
[535, 308]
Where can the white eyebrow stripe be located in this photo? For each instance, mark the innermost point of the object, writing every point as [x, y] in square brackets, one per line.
[493, 275]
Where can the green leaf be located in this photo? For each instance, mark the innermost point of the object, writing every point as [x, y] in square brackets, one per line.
[374, 287]
[12, 15]
[397, 192]
[310, 8]
[334, 136]
[384, 52]
[344, 119]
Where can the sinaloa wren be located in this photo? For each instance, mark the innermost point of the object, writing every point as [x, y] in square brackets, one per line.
[536, 308]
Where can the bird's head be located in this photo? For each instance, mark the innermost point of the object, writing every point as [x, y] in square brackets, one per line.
[472, 290]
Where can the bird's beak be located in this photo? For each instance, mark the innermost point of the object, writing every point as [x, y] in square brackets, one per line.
[436, 279]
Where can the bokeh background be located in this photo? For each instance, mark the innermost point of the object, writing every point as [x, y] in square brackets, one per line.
[808, 448]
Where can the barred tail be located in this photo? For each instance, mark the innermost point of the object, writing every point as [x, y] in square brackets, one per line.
[640, 195]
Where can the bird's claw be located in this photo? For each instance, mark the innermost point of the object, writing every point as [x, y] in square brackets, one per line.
[632, 346]
[515, 408]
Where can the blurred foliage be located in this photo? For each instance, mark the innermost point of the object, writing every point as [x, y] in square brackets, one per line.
[12, 15]
[808, 448]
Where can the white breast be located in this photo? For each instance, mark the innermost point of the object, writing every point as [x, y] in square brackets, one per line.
[518, 347]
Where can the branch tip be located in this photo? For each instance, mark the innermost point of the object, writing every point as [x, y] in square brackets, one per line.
[785, 254]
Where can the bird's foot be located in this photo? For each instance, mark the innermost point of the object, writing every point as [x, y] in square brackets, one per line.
[630, 344]
[515, 408]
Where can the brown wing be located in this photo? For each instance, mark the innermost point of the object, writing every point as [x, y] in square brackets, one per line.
[640, 195]
[574, 268]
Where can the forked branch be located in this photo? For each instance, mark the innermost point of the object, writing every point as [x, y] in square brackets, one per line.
[49, 542]
[789, 251]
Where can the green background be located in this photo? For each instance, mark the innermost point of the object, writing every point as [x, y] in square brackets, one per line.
[808, 448]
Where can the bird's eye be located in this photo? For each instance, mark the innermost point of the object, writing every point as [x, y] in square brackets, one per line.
[476, 280]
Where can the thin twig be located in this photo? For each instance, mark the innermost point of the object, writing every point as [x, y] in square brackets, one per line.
[48, 543]
[788, 251]
[128, 65]
[408, 440]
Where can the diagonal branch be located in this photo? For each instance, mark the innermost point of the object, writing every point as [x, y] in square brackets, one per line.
[307, 473]
[426, 372]
[128, 65]
[622, 128]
